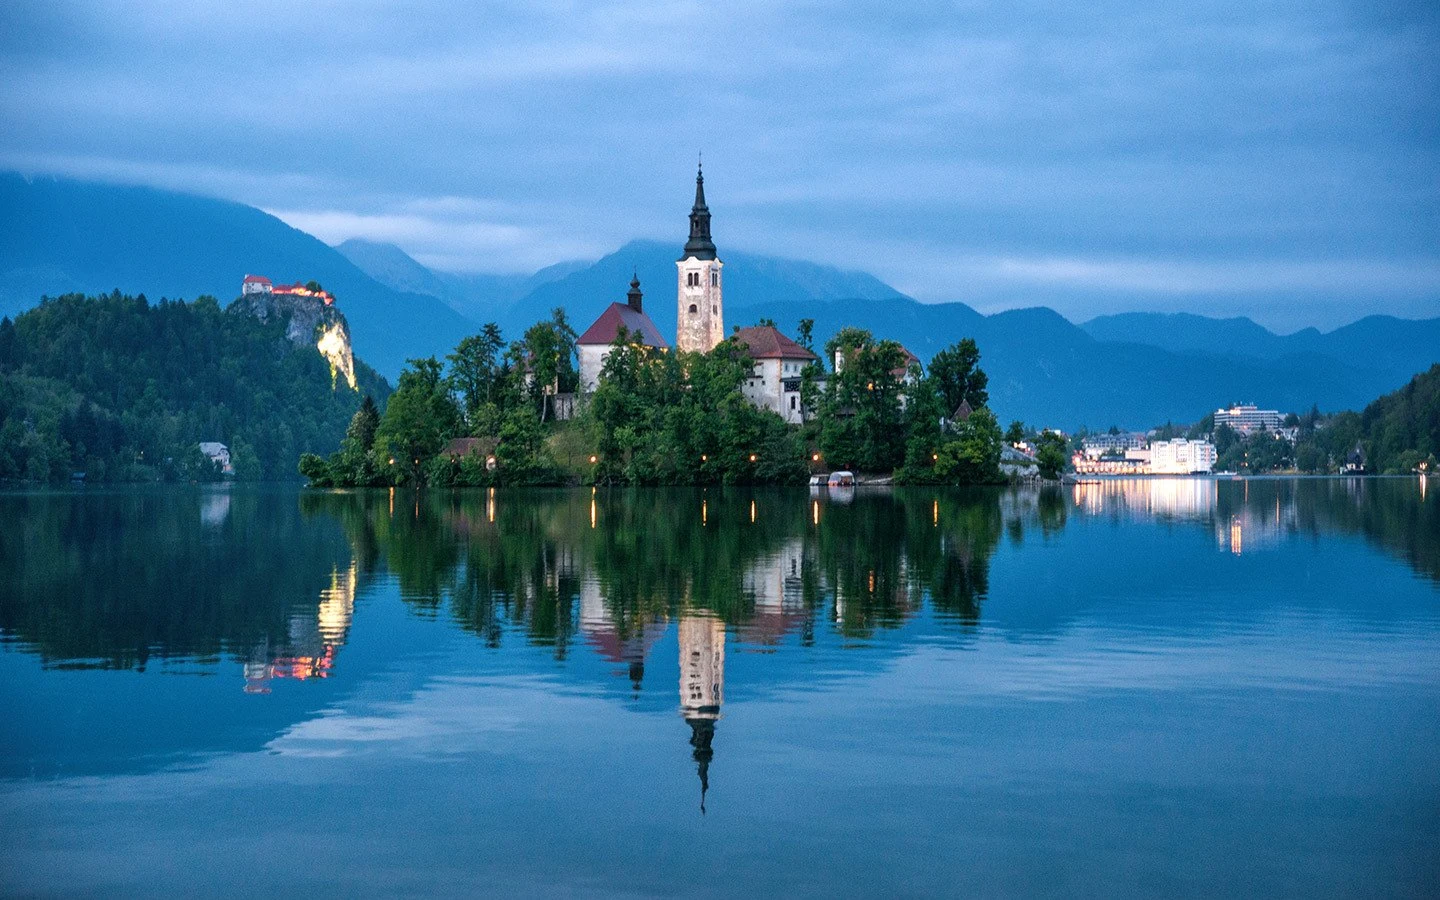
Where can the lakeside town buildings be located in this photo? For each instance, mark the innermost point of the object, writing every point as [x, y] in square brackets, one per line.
[1246, 418]
[1177, 457]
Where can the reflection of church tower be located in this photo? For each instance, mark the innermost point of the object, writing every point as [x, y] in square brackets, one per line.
[702, 686]
[700, 317]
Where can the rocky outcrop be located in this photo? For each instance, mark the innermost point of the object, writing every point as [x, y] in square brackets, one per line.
[309, 322]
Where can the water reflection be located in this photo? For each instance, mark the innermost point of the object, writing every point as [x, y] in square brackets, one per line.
[702, 687]
[312, 639]
[116, 580]
[1082, 668]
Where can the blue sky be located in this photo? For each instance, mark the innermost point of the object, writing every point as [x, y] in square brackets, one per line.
[1275, 159]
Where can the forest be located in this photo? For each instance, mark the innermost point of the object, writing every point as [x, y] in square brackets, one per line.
[122, 389]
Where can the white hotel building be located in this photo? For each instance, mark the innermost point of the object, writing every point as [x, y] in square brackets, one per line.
[1245, 419]
[1181, 457]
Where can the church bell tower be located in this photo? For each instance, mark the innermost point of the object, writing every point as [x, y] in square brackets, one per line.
[700, 319]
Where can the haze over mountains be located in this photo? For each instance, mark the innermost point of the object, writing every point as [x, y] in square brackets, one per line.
[1135, 370]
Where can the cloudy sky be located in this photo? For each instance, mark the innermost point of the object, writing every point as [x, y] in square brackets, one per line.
[1275, 159]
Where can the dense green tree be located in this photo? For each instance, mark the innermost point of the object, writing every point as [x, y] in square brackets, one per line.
[475, 370]
[958, 376]
[1050, 456]
[550, 355]
[1015, 434]
[861, 414]
[973, 457]
[363, 425]
[1403, 421]
[420, 417]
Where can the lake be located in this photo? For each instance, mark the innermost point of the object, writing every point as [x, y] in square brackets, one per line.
[1175, 687]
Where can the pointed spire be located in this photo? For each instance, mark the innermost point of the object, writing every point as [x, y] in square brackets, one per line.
[702, 734]
[700, 245]
[634, 294]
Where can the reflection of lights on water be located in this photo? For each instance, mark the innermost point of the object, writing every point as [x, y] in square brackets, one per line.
[872, 581]
[592, 509]
[392, 501]
[935, 513]
[1237, 536]
[337, 604]
[1422, 488]
[490, 505]
[704, 511]
[815, 511]
[752, 512]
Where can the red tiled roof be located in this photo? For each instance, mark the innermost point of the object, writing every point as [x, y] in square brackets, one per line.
[766, 342]
[608, 325]
[256, 279]
[910, 360]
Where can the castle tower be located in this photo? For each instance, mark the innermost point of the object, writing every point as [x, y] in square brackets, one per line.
[700, 319]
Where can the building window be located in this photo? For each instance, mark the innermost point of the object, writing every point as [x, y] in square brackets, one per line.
[792, 401]
[694, 309]
[714, 308]
[714, 277]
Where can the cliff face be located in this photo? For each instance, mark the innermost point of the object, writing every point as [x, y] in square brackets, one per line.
[309, 323]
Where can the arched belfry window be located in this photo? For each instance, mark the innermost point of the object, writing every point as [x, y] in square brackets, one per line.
[694, 308]
[714, 277]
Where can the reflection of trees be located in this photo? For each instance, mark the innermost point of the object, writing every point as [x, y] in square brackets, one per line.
[1389, 512]
[114, 580]
[522, 559]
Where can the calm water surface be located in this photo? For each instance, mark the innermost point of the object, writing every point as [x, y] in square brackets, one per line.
[1135, 688]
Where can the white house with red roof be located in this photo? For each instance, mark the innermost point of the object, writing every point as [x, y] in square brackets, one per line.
[256, 284]
[599, 339]
[774, 381]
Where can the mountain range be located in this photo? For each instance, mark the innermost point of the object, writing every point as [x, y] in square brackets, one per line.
[1134, 369]
[65, 236]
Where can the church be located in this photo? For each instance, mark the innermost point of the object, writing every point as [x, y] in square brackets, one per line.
[774, 382]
